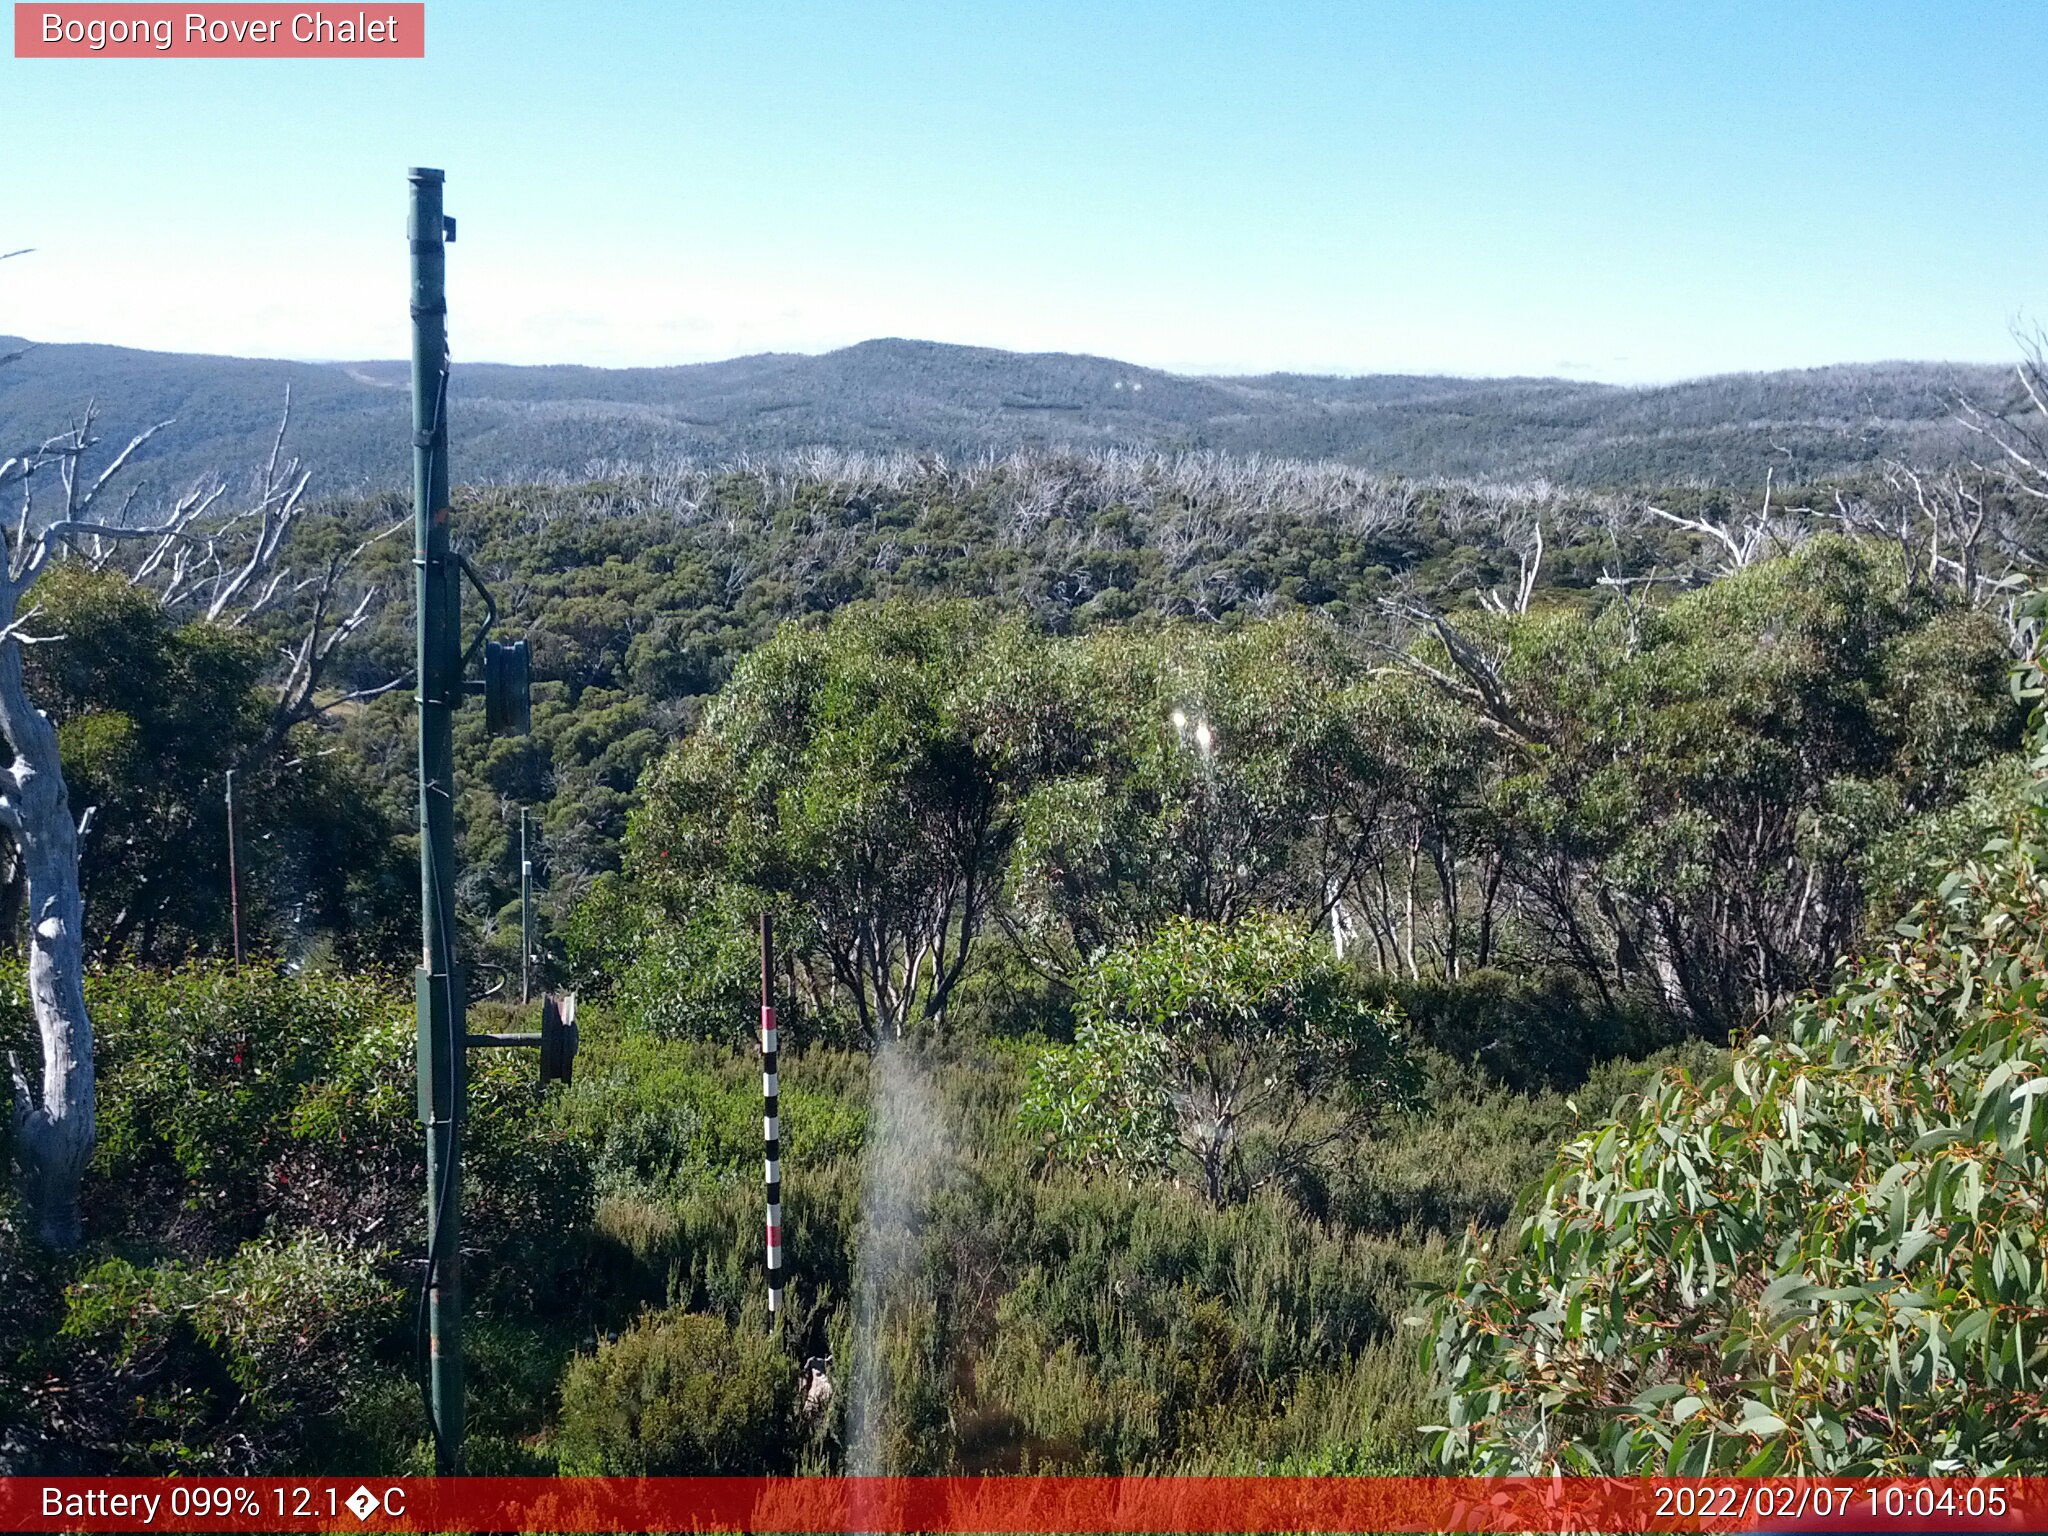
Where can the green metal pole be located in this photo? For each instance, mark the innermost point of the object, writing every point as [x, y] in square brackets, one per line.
[441, 1053]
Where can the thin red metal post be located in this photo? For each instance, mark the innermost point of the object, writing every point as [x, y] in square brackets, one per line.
[234, 888]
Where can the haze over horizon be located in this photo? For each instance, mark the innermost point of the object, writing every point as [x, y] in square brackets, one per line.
[1586, 192]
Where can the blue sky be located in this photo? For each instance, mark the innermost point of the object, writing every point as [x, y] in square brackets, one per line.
[1627, 192]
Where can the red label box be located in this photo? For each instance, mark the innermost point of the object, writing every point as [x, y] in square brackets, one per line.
[372, 30]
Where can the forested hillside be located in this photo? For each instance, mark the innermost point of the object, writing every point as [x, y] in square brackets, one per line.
[1081, 787]
[539, 423]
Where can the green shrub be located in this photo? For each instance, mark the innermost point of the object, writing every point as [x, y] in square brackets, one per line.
[1049, 1320]
[1473, 1154]
[1144, 1329]
[256, 1196]
[1207, 1052]
[679, 1395]
[1910, 858]
[235, 1100]
[357, 1156]
[1003, 998]
[231, 1365]
[201, 1070]
[1546, 1031]
[702, 1247]
[697, 979]
[602, 934]
[1828, 1257]
[661, 1117]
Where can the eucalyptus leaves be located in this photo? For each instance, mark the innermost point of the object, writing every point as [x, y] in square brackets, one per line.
[1828, 1258]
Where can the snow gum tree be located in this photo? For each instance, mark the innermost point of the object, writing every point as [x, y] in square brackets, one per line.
[212, 557]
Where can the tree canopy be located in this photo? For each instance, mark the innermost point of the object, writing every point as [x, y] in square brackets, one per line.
[1676, 806]
[1227, 1054]
[1827, 1257]
[857, 777]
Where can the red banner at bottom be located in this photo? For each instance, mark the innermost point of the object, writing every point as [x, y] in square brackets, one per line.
[1016, 1504]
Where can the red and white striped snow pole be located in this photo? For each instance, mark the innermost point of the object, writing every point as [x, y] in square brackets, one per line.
[771, 1120]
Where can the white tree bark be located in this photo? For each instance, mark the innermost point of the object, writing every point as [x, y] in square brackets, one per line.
[222, 567]
[53, 1123]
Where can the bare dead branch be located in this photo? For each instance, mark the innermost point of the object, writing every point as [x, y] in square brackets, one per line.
[1477, 679]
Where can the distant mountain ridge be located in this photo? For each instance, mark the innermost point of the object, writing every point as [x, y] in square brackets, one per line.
[517, 423]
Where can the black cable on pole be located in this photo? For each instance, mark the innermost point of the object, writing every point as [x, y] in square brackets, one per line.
[422, 1354]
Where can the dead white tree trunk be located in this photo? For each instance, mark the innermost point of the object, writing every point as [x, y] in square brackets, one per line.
[54, 1124]
[222, 568]
[2017, 431]
[53, 1120]
[1526, 540]
[1758, 536]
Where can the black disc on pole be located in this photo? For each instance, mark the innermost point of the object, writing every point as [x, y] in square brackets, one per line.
[508, 692]
[557, 1036]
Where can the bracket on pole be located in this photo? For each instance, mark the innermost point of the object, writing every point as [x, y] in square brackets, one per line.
[556, 1040]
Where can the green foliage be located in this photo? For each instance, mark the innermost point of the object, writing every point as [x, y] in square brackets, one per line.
[679, 1395]
[202, 1072]
[1474, 1154]
[1694, 789]
[225, 1365]
[1662, 819]
[1043, 1319]
[1910, 858]
[698, 978]
[645, 594]
[358, 1158]
[1188, 771]
[1826, 1257]
[1146, 1330]
[1204, 1052]
[1527, 1032]
[601, 936]
[979, 820]
[852, 778]
[255, 1196]
[152, 713]
[657, 1120]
